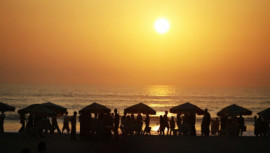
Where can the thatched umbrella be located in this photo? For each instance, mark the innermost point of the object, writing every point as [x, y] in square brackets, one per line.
[95, 108]
[187, 108]
[234, 110]
[37, 110]
[265, 113]
[140, 108]
[5, 107]
[56, 108]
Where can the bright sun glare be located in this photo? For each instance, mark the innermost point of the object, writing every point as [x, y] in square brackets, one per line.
[162, 25]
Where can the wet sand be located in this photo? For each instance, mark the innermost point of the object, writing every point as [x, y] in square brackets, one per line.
[14, 143]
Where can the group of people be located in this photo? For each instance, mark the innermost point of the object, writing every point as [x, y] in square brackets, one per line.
[131, 125]
[102, 125]
[185, 124]
[261, 126]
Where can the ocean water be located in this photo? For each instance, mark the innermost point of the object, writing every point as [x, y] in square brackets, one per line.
[160, 98]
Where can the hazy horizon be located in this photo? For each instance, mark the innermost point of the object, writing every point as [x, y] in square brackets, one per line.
[209, 43]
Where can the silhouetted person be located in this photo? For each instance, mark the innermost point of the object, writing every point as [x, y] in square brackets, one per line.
[139, 124]
[178, 122]
[166, 120]
[26, 150]
[205, 123]
[22, 121]
[116, 124]
[66, 123]
[147, 128]
[241, 124]
[2, 118]
[172, 126]
[42, 147]
[123, 125]
[73, 126]
[161, 125]
[108, 125]
[55, 125]
[30, 121]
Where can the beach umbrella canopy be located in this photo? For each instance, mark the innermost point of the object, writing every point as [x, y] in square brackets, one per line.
[265, 113]
[234, 110]
[38, 110]
[187, 108]
[140, 108]
[56, 108]
[5, 107]
[95, 108]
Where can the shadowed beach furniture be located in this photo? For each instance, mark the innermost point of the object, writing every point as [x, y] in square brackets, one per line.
[95, 108]
[140, 108]
[187, 108]
[38, 110]
[5, 107]
[265, 113]
[56, 108]
[234, 110]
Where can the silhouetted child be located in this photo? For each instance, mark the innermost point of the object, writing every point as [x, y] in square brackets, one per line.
[66, 123]
[73, 126]
[172, 126]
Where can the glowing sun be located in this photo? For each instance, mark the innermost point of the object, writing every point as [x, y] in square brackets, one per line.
[162, 25]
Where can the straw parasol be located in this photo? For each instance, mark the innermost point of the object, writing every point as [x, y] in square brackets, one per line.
[187, 108]
[140, 108]
[56, 108]
[37, 110]
[5, 107]
[265, 113]
[234, 110]
[95, 108]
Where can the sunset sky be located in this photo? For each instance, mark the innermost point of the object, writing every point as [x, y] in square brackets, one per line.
[114, 42]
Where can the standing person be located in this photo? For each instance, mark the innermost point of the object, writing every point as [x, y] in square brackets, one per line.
[161, 125]
[73, 126]
[55, 125]
[66, 123]
[147, 129]
[178, 122]
[2, 118]
[205, 123]
[139, 124]
[123, 125]
[165, 120]
[172, 126]
[116, 124]
[241, 124]
[22, 121]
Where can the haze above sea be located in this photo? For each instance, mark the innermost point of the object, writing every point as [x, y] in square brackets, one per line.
[160, 98]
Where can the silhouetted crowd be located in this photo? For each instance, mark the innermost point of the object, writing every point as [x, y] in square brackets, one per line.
[101, 126]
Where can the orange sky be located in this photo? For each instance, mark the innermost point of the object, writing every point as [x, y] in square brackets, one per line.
[210, 42]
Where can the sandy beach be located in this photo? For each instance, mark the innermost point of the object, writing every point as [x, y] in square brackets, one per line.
[14, 143]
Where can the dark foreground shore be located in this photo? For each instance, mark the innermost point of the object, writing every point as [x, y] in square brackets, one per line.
[14, 143]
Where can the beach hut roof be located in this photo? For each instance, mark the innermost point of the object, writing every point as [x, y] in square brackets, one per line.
[140, 108]
[187, 108]
[234, 110]
[57, 108]
[265, 113]
[95, 108]
[5, 107]
[38, 110]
